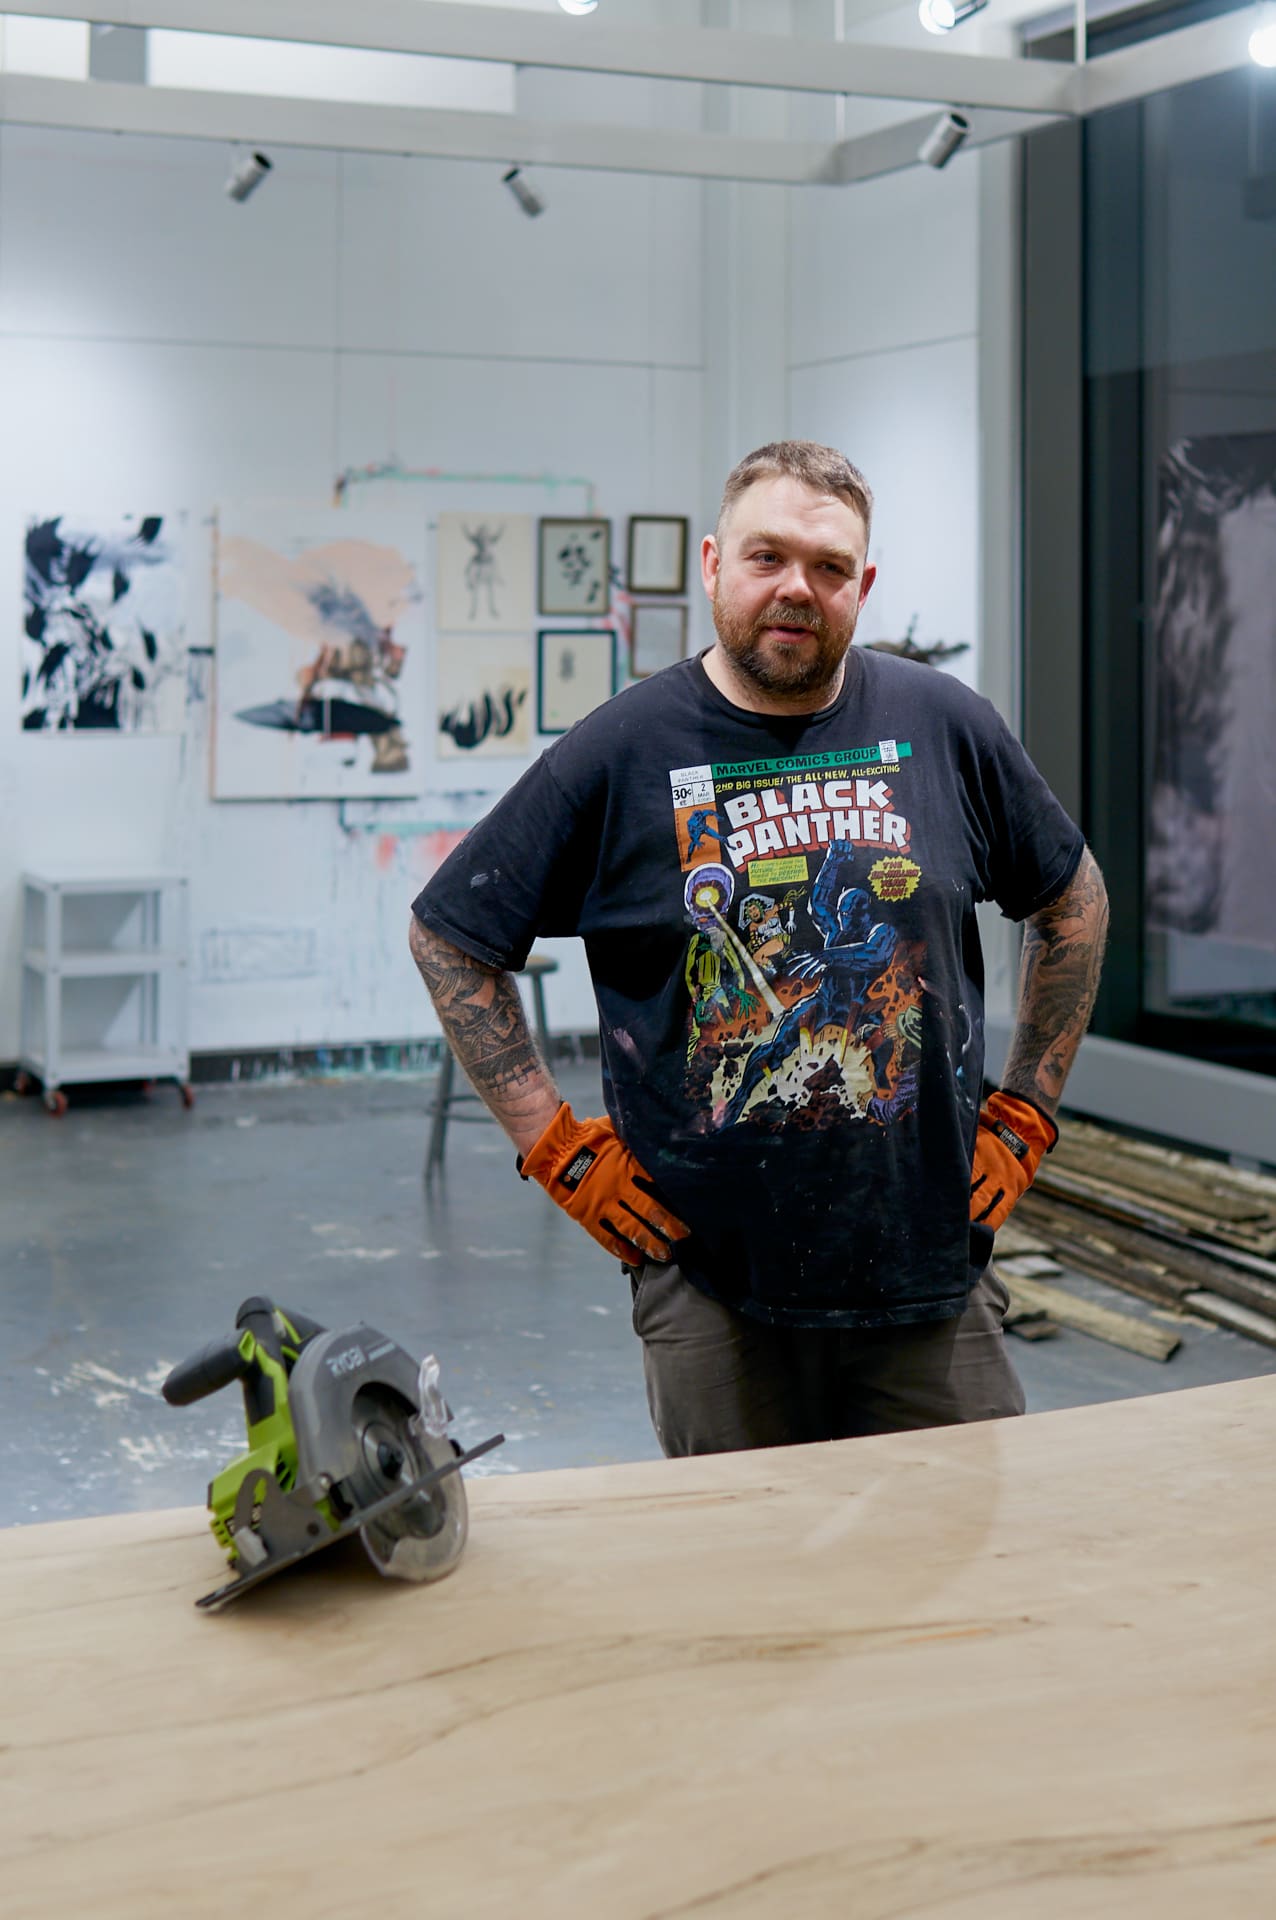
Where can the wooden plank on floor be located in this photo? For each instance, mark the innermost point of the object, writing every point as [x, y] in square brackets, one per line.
[1103, 1323]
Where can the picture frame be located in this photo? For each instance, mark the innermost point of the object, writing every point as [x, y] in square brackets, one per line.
[575, 672]
[657, 638]
[574, 571]
[656, 557]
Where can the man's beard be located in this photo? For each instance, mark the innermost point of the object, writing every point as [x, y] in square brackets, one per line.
[776, 670]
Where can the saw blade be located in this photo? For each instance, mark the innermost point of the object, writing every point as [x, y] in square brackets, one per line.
[422, 1537]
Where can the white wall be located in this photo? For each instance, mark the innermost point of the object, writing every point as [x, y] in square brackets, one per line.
[164, 348]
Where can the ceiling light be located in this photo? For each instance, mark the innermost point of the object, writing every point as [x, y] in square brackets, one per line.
[943, 140]
[578, 6]
[1262, 42]
[941, 16]
[248, 176]
[528, 198]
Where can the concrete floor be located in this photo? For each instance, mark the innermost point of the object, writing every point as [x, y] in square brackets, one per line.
[132, 1230]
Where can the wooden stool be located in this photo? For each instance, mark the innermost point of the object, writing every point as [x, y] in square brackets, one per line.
[447, 1096]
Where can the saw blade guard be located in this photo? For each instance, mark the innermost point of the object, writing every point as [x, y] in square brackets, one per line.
[362, 1434]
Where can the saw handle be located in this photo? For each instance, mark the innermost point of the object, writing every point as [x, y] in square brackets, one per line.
[208, 1371]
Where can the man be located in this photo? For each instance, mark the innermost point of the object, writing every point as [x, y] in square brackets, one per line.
[798, 1176]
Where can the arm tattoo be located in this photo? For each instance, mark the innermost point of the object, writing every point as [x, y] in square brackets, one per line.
[486, 1028]
[1058, 979]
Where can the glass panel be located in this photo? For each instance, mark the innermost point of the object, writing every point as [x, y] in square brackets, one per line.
[1180, 199]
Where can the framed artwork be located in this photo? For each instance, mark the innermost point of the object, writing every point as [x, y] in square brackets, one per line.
[657, 560]
[483, 563]
[104, 624]
[483, 697]
[575, 566]
[575, 672]
[658, 637]
[320, 664]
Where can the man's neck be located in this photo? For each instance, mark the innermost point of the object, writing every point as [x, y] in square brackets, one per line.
[743, 692]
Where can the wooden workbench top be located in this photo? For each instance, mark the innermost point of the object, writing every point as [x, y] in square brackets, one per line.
[1010, 1672]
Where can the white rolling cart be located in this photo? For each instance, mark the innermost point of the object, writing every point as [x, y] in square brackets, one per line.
[104, 982]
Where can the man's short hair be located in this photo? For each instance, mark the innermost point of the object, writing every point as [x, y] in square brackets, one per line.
[823, 468]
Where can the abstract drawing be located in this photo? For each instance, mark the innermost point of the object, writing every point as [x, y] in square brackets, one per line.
[575, 566]
[483, 564]
[483, 699]
[575, 672]
[320, 657]
[103, 646]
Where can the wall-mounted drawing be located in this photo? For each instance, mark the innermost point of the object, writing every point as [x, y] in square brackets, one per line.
[483, 564]
[483, 696]
[658, 637]
[104, 645]
[575, 672]
[320, 681]
[575, 567]
[657, 554]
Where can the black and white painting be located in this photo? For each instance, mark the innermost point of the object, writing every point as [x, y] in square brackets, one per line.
[320, 683]
[575, 567]
[1212, 805]
[483, 689]
[484, 571]
[103, 644]
[575, 672]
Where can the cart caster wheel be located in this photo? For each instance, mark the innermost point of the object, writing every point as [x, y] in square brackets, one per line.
[22, 1082]
[57, 1104]
[188, 1095]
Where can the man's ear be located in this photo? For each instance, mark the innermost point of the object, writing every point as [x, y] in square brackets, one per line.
[710, 561]
[866, 581]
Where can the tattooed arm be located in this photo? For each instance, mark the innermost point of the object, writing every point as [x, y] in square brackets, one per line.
[1058, 979]
[483, 1019]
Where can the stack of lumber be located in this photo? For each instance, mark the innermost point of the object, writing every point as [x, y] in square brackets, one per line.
[1173, 1228]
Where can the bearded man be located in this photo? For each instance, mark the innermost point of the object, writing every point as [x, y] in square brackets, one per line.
[806, 1224]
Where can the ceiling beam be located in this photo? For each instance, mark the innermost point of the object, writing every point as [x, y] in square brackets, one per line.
[592, 45]
[103, 106]
[892, 149]
[1170, 60]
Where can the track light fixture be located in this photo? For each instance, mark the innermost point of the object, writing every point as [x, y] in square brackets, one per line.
[528, 198]
[941, 16]
[578, 6]
[943, 140]
[1262, 42]
[248, 176]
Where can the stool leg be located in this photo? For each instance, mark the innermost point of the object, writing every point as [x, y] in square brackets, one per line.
[439, 1114]
[542, 1027]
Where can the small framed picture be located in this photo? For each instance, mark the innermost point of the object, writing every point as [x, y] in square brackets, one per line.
[575, 672]
[657, 638]
[575, 566]
[657, 560]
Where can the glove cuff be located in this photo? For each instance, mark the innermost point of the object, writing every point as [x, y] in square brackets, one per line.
[541, 1159]
[1029, 1123]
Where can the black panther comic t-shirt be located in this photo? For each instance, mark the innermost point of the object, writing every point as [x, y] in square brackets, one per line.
[779, 919]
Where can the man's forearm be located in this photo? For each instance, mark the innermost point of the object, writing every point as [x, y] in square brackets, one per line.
[1058, 979]
[483, 1019]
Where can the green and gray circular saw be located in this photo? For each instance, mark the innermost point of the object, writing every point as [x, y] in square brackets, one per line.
[346, 1433]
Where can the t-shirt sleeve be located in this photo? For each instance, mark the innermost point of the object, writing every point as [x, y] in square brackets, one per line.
[519, 874]
[1033, 846]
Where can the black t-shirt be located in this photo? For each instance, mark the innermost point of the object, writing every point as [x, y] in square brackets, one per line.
[778, 916]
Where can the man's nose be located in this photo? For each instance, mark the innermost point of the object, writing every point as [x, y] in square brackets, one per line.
[794, 584]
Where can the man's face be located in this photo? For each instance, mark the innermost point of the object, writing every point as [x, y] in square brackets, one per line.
[787, 578]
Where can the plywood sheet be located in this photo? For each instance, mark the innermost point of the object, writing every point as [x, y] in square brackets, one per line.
[1022, 1669]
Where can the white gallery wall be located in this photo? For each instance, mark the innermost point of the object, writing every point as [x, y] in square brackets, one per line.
[166, 350]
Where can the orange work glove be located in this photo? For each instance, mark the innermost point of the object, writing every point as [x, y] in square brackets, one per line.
[589, 1172]
[1013, 1135]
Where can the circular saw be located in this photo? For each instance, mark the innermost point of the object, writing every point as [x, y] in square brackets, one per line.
[346, 1433]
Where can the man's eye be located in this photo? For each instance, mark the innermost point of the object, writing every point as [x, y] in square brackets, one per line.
[765, 557]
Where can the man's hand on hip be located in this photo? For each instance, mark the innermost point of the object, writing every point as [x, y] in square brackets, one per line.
[1013, 1135]
[587, 1170]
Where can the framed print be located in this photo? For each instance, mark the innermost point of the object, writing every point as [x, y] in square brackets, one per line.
[483, 564]
[575, 566]
[658, 637]
[482, 702]
[575, 672]
[657, 561]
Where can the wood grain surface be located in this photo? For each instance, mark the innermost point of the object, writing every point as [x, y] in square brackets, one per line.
[1010, 1672]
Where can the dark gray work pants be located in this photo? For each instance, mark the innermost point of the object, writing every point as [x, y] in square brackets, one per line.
[718, 1382]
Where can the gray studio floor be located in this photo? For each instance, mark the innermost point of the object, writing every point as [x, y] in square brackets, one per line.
[133, 1229]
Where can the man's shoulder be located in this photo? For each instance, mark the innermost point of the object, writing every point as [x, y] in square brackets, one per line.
[638, 709]
[926, 688]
